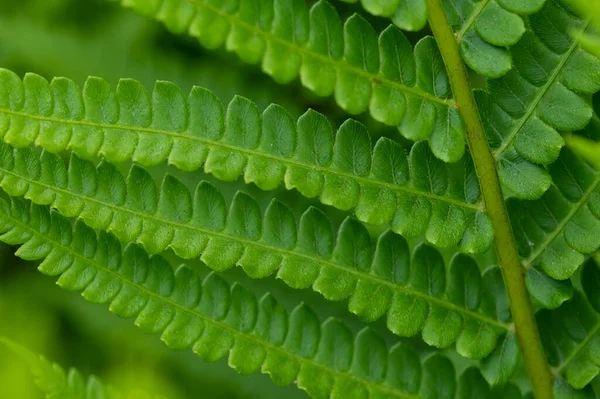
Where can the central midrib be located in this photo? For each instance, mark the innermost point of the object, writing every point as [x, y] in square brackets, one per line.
[290, 161]
[356, 273]
[207, 319]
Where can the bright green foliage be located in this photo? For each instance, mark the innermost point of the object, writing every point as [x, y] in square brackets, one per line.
[571, 333]
[430, 271]
[219, 320]
[560, 229]
[52, 380]
[398, 85]
[339, 266]
[416, 193]
[547, 92]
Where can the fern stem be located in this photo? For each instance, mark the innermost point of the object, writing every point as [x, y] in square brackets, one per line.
[485, 165]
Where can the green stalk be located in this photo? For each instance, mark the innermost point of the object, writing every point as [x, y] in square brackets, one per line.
[485, 165]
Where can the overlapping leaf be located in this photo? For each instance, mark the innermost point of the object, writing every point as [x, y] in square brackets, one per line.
[416, 291]
[558, 231]
[486, 28]
[417, 194]
[547, 92]
[409, 15]
[216, 320]
[52, 380]
[571, 333]
[363, 71]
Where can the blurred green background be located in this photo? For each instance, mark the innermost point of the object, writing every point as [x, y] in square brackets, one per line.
[78, 38]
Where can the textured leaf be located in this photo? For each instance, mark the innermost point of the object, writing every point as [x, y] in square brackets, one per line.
[485, 28]
[302, 255]
[217, 320]
[363, 71]
[557, 231]
[55, 383]
[571, 335]
[548, 91]
[381, 184]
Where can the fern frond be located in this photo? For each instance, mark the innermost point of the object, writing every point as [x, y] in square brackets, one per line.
[382, 279]
[217, 320]
[571, 333]
[484, 30]
[560, 229]
[52, 380]
[398, 85]
[418, 194]
[547, 92]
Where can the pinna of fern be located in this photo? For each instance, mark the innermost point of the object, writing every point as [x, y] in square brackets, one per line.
[219, 320]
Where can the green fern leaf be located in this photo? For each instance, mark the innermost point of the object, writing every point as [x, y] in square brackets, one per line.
[559, 230]
[363, 71]
[217, 320]
[547, 92]
[418, 194]
[52, 380]
[344, 265]
[571, 333]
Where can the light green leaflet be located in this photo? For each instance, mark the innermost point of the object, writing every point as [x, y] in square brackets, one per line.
[416, 291]
[217, 320]
[417, 194]
[382, 74]
[52, 380]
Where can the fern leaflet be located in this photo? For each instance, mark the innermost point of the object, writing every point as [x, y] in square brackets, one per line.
[379, 280]
[418, 194]
[362, 70]
[217, 320]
